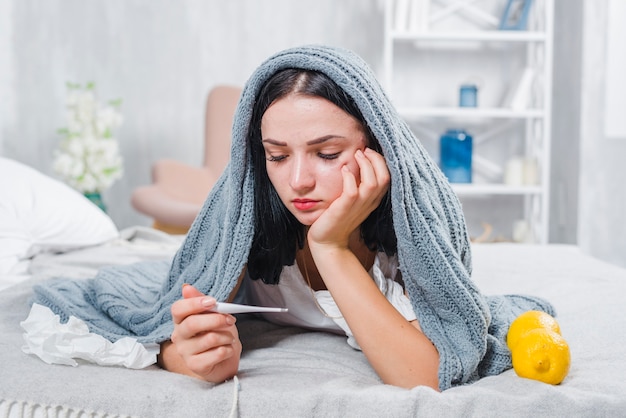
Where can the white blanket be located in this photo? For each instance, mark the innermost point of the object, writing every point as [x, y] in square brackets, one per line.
[287, 372]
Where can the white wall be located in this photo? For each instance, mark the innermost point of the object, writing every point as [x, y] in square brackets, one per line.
[6, 76]
[161, 57]
[566, 110]
[602, 199]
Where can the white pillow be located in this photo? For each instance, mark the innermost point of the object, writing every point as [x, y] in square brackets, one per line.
[40, 214]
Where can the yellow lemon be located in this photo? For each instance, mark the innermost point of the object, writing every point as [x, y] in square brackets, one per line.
[541, 354]
[528, 321]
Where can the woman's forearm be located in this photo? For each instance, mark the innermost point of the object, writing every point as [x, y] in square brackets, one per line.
[397, 350]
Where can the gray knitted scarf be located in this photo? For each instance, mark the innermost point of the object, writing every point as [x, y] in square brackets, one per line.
[467, 328]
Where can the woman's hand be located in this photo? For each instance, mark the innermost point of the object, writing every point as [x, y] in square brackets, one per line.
[355, 203]
[204, 344]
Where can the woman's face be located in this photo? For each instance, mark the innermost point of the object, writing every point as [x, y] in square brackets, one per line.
[307, 140]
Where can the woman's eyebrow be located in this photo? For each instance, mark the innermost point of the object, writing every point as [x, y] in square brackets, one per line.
[274, 142]
[323, 139]
[315, 141]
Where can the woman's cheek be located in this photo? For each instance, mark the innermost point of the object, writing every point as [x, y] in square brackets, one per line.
[334, 170]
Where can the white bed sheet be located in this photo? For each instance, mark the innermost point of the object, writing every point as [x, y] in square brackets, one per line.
[291, 372]
[18, 273]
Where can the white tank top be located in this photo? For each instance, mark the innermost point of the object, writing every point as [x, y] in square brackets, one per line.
[294, 293]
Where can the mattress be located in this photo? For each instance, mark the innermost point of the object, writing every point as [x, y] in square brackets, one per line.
[288, 371]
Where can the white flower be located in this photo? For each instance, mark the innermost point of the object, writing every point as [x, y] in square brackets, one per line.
[88, 157]
[108, 118]
[85, 107]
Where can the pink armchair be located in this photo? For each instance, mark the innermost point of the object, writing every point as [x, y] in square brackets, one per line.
[178, 190]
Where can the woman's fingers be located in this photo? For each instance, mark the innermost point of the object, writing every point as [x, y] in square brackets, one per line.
[368, 175]
[193, 316]
[204, 351]
[374, 171]
[358, 199]
[203, 362]
[379, 166]
[207, 341]
[202, 341]
[350, 188]
[374, 175]
[189, 291]
[193, 302]
[202, 323]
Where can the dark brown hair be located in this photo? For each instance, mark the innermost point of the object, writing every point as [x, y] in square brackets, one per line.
[278, 234]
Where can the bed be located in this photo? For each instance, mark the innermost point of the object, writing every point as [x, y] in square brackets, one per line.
[288, 372]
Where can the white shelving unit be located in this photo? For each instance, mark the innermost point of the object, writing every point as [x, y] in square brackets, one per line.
[450, 31]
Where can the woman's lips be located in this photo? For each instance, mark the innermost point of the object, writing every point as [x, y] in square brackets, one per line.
[304, 204]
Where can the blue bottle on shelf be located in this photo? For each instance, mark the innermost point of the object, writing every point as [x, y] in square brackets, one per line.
[468, 95]
[456, 155]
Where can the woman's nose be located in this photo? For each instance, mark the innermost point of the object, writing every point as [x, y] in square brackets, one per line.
[302, 176]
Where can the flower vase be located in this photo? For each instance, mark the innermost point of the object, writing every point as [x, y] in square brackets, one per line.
[96, 198]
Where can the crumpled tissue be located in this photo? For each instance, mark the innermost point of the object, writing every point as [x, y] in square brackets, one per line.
[57, 343]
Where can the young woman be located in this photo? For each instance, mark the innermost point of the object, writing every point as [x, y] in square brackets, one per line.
[320, 183]
[331, 207]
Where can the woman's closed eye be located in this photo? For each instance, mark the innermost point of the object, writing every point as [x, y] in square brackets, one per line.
[328, 156]
[322, 155]
[275, 158]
